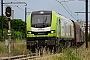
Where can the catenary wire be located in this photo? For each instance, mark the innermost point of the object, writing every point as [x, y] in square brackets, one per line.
[70, 10]
[65, 9]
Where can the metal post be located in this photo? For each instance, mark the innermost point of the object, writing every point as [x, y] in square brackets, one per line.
[9, 35]
[86, 29]
[2, 16]
[12, 14]
[25, 19]
[86, 24]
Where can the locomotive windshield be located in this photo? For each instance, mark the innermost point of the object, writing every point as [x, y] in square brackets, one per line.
[41, 20]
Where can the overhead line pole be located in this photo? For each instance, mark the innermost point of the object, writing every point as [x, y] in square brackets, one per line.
[86, 29]
[25, 19]
[2, 16]
[86, 24]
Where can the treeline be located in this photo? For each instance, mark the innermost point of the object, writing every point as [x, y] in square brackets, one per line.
[17, 28]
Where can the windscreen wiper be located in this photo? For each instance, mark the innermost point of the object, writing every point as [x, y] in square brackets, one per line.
[45, 20]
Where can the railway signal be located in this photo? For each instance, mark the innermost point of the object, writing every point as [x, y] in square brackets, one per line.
[8, 14]
[8, 11]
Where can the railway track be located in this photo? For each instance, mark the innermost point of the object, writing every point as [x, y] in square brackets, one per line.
[25, 57]
[20, 57]
[28, 57]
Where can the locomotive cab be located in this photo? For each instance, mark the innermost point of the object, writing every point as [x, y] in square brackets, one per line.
[40, 31]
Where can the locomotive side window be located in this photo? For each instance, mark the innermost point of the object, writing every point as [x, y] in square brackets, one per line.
[59, 21]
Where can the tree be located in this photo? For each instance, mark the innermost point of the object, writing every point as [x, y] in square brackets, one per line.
[18, 25]
[89, 37]
[5, 22]
[17, 28]
[0, 34]
[5, 25]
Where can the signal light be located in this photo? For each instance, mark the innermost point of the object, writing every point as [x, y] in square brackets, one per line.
[8, 11]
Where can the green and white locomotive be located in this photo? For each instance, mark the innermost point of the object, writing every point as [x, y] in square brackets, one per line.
[48, 28]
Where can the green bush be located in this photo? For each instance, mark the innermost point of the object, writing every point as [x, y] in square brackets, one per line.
[0, 34]
[5, 34]
[14, 34]
[17, 35]
[89, 37]
[70, 55]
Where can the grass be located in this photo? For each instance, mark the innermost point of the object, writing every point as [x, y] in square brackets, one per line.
[65, 55]
[18, 47]
[3, 49]
[80, 53]
[83, 52]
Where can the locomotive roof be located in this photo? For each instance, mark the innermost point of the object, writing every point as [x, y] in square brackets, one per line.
[50, 11]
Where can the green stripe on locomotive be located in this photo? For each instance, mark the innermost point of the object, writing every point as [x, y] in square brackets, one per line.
[28, 26]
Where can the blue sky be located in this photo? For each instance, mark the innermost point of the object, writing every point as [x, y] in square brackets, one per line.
[33, 5]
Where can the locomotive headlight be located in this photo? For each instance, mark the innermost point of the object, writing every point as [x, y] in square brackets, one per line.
[29, 32]
[52, 31]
